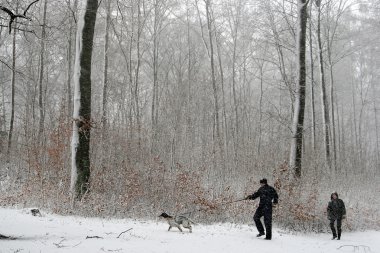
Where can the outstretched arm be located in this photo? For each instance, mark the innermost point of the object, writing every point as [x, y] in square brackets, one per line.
[254, 196]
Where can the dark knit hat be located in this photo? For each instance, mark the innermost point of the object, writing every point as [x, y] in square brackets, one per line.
[334, 193]
[264, 181]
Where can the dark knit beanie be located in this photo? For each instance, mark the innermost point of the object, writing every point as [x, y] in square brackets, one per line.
[263, 181]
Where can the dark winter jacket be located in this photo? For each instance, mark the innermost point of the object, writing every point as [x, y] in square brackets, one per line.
[267, 194]
[336, 209]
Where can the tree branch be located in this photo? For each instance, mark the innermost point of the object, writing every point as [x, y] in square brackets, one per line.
[13, 16]
[27, 8]
[94, 237]
[20, 29]
[124, 232]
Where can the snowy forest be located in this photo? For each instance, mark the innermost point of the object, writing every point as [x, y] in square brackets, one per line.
[128, 108]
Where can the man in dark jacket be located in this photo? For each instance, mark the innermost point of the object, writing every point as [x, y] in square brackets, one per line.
[336, 211]
[268, 197]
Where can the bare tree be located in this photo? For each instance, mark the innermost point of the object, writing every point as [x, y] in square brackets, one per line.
[159, 7]
[295, 160]
[72, 9]
[235, 26]
[136, 84]
[13, 83]
[312, 96]
[14, 15]
[80, 172]
[213, 74]
[41, 75]
[105, 67]
[324, 103]
[332, 38]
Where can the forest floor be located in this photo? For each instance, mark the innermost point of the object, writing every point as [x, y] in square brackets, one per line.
[54, 233]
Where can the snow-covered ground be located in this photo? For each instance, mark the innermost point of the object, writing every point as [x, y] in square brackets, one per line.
[53, 233]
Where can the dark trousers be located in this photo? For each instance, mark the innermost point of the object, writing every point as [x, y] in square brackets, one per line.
[267, 213]
[338, 225]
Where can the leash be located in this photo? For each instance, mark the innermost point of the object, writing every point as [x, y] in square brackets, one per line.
[227, 203]
[201, 209]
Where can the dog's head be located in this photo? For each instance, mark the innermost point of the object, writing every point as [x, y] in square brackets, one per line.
[165, 215]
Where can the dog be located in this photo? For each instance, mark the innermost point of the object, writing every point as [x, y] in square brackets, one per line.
[177, 221]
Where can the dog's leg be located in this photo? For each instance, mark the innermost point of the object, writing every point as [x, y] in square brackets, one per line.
[189, 227]
[180, 229]
[187, 224]
[169, 228]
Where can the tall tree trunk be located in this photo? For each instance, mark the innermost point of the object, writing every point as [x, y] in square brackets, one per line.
[235, 26]
[331, 33]
[261, 67]
[312, 99]
[354, 123]
[363, 95]
[13, 81]
[137, 74]
[105, 90]
[213, 75]
[105, 68]
[342, 131]
[69, 69]
[69, 56]
[374, 103]
[41, 77]
[295, 160]
[224, 115]
[130, 67]
[189, 128]
[332, 102]
[2, 116]
[324, 102]
[280, 52]
[235, 41]
[154, 115]
[80, 173]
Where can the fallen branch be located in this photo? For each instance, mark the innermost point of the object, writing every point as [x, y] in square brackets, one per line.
[94, 237]
[110, 250]
[3, 237]
[124, 232]
[77, 244]
[357, 247]
[59, 245]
